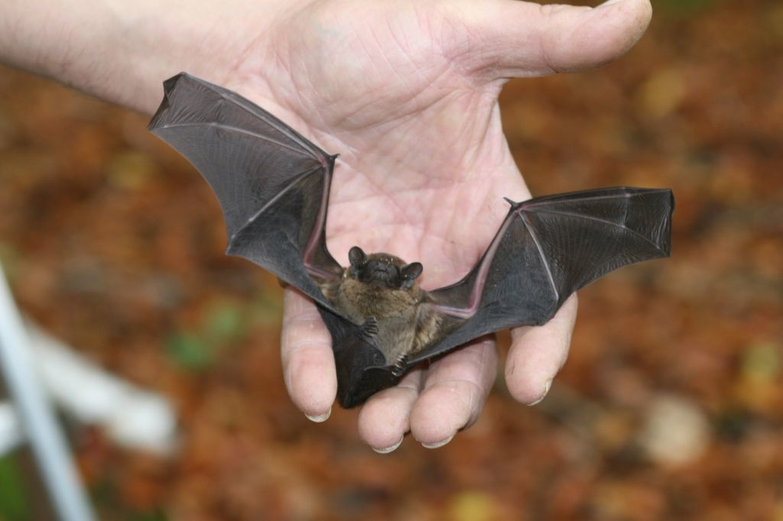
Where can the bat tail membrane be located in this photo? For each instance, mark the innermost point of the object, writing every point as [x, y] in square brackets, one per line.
[361, 366]
[545, 250]
[272, 183]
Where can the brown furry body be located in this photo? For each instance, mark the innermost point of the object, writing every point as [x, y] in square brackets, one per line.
[380, 291]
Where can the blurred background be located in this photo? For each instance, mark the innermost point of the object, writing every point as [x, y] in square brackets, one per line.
[671, 403]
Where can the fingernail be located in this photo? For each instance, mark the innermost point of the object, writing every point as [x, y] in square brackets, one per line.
[320, 419]
[437, 444]
[611, 2]
[547, 386]
[389, 449]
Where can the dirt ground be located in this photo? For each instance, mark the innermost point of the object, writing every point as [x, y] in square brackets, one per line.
[669, 407]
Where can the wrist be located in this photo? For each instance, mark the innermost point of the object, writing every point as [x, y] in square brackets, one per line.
[156, 40]
[121, 51]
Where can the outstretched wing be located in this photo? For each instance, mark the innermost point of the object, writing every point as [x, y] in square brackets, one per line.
[271, 182]
[545, 250]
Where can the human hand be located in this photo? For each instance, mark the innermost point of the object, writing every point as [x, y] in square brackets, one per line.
[406, 92]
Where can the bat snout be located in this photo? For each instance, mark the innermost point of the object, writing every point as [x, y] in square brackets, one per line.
[381, 274]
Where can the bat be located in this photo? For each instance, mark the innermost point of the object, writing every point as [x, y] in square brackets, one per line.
[273, 188]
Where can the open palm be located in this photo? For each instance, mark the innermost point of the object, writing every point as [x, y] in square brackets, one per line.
[406, 92]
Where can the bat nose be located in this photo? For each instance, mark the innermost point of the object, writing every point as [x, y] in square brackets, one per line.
[383, 269]
[382, 273]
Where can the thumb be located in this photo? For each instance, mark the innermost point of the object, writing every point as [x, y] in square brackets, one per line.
[526, 39]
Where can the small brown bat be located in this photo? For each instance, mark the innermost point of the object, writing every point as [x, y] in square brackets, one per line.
[273, 187]
[380, 292]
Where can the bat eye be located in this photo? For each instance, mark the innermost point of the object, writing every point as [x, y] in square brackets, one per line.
[357, 257]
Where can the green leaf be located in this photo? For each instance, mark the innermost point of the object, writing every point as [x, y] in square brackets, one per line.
[155, 515]
[189, 351]
[13, 497]
[225, 321]
[684, 8]
[267, 309]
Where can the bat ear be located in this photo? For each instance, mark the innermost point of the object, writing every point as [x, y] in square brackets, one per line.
[411, 272]
[357, 257]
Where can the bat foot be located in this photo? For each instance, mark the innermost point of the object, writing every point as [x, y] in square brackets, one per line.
[399, 365]
[370, 327]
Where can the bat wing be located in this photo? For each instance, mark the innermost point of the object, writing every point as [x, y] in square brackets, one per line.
[545, 250]
[271, 182]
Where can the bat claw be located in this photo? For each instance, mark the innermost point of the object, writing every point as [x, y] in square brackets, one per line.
[399, 365]
[370, 327]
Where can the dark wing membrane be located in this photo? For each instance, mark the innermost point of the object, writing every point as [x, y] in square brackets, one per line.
[361, 366]
[271, 182]
[607, 229]
[546, 249]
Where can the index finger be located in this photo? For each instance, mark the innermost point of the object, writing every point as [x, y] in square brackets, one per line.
[306, 353]
[537, 354]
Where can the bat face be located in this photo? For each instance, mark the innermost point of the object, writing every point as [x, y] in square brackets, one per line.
[381, 270]
[273, 187]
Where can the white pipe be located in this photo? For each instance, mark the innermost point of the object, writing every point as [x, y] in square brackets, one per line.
[131, 416]
[10, 429]
[37, 418]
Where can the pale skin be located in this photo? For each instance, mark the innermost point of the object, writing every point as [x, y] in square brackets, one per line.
[406, 92]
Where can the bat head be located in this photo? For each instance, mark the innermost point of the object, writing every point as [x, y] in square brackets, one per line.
[383, 270]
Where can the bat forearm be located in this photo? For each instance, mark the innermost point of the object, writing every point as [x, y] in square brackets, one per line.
[121, 51]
